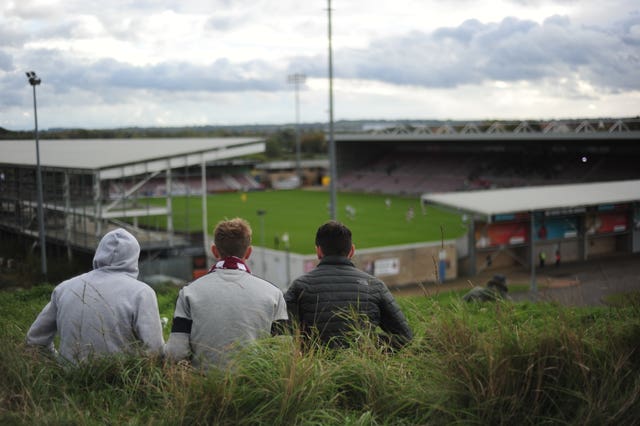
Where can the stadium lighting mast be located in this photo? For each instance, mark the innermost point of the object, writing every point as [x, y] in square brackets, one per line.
[297, 79]
[34, 81]
[333, 174]
[261, 213]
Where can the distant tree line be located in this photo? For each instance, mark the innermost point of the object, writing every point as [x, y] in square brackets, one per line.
[282, 144]
[129, 132]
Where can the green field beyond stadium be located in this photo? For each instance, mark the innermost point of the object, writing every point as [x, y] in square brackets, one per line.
[300, 212]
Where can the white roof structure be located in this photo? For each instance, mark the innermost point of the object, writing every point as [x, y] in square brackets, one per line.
[92, 206]
[126, 157]
[552, 197]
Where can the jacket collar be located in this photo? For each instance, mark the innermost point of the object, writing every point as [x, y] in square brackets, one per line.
[335, 260]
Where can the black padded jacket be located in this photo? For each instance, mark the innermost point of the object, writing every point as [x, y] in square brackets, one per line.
[325, 300]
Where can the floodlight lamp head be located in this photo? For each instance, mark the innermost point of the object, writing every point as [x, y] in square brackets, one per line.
[34, 80]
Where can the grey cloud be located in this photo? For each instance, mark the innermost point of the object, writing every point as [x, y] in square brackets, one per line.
[28, 9]
[12, 94]
[63, 74]
[535, 3]
[223, 23]
[18, 28]
[472, 53]
[62, 30]
[464, 33]
[631, 30]
[12, 33]
[15, 32]
[511, 50]
[6, 62]
[221, 76]
[219, 24]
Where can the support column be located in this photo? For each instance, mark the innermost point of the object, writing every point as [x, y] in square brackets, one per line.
[97, 205]
[532, 254]
[583, 238]
[472, 245]
[205, 226]
[630, 229]
[169, 204]
[68, 218]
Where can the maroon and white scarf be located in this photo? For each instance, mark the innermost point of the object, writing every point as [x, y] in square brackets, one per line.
[230, 262]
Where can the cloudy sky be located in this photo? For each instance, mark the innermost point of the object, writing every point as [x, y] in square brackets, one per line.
[117, 63]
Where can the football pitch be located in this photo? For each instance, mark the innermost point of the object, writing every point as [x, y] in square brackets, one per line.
[299, 213]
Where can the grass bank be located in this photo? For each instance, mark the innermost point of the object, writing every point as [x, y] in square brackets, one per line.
[502, 363]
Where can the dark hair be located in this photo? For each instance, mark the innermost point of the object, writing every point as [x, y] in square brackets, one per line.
[498, 281]
[232, 237]
[334, 239]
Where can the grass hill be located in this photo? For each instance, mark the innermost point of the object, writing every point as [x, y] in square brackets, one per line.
[501, 363]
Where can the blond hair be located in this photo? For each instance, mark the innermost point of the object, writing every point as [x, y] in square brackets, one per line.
[232, 237]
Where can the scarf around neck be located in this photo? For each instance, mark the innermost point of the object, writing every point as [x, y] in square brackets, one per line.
[230, 262]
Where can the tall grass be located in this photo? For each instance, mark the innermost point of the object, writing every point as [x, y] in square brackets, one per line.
[497, 363]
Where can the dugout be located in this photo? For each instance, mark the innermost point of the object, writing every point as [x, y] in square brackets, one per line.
[92, 186]
[579, 221]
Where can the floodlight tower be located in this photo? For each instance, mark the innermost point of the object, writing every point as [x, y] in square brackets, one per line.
[333, 174]
[34, 81]
[297, 79]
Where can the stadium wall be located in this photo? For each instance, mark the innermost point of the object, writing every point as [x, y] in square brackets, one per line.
[573, 249]
[397, 266]
[178, 268]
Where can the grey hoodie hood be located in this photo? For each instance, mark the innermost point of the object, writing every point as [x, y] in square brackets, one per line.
[118, 251]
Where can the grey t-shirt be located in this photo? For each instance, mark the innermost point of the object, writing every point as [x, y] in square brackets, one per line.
[220, 311]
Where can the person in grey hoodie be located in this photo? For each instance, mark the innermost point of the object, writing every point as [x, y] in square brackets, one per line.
[104, 311]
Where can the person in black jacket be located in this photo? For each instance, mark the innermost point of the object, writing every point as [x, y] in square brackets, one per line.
[336, 298]
[496, 289]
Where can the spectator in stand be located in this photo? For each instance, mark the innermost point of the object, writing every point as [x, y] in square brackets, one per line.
[336, 298]
[226, 308]
[105, 311]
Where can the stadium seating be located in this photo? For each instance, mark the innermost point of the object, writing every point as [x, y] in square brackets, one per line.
[414, 173]
[192, 185]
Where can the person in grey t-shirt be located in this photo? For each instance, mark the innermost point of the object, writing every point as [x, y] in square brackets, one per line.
[226, 308]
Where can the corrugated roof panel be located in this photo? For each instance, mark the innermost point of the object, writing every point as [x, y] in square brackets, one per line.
[97, 154]
[513, 200]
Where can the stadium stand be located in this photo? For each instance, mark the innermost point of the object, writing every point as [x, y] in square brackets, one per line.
[157, 187]
[447, 158]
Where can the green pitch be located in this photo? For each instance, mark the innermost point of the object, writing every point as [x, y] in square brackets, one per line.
[300, 212]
